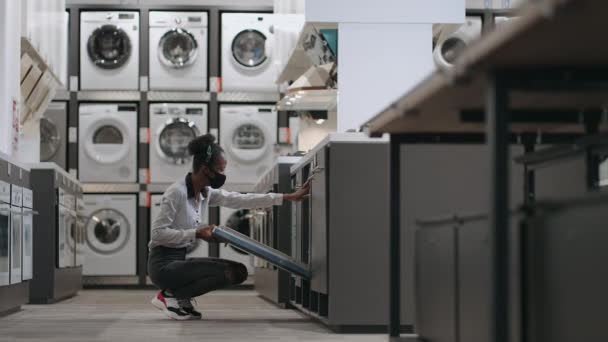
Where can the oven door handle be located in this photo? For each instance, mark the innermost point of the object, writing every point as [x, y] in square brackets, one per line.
[30, 212]
[13, 212]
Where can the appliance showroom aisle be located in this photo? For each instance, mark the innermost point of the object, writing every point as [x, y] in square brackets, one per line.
[126, 315]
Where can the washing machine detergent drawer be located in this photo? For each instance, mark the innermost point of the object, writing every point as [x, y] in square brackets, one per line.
[271, 255]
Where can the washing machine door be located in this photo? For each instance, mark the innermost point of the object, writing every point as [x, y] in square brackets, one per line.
[177, 48]
[249, 49]
[108, 141]
[240, 221]
[249, 142]
[107, 231]
[109, 47]
[50, 139]
[173, 139]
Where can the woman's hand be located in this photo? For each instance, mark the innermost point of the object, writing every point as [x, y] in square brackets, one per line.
[205, 233]
[302, 193]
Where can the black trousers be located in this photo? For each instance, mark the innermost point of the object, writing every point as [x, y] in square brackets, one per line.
[169, 269]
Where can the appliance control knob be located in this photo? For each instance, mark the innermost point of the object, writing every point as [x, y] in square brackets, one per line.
[178, 20]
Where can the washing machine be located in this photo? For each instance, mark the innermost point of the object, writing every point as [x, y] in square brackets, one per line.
[109, 50]
[201, 250]
[107, 150]
[178, 50]
[248, 135]
[53, 134]
[246, 63]
[172, 127]
[451, 46]
[111, 234]
[238, 220]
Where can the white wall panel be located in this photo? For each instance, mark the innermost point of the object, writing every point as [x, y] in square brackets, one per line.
[383, 61]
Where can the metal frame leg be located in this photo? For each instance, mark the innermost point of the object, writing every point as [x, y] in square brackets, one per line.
[395, 240]
[498, 142]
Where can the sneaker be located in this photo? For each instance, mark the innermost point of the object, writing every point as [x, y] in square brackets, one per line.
[170, 307]
[187, 307]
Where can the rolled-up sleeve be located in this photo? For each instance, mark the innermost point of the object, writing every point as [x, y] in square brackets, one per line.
[164, 231]
[236, 200]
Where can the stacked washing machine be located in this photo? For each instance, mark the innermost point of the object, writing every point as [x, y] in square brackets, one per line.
[246, 63]
[109, 50]
[178, 50]
[136, 110]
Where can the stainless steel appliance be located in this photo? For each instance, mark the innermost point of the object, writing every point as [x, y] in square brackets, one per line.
[272, 227]
[14, 177]
[348, 288]
[57, 273]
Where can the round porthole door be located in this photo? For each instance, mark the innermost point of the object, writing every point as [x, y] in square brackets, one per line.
[109, 47]
[173, 139]
[50, 140]
[249, 49]
[107, 231]
[177, 48]
[249, 142]
[108, 141]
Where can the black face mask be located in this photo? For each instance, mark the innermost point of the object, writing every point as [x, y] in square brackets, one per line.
[218, 180]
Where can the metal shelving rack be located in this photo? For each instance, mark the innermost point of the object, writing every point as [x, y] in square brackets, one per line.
[73, 96]
[540, 62]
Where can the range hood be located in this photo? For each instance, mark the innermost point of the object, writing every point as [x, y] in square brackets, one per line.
[313, 91]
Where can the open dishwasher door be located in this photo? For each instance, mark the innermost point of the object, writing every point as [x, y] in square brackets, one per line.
[269, 254]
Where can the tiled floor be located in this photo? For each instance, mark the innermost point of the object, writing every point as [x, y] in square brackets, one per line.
[126, 315]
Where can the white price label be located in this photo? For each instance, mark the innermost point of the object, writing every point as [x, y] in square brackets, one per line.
[73, 135]
[143, 135]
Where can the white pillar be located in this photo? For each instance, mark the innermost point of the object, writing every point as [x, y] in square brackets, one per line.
[384, 49]
[10, 23]
[377, 63]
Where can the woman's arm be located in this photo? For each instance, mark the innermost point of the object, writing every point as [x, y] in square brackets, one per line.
[236, 200]
[163, 231]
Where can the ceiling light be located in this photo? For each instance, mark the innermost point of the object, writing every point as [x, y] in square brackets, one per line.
[320, 121]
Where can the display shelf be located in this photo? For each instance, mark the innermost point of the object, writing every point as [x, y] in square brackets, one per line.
[535, 39]
[108, 95]
[157, 188]
[298, 61]
[110, 188]
[174, 96]
[247, 97]
[62, 95]
[313, 99]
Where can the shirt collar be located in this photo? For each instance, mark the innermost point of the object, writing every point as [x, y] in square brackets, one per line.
[190, 187]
